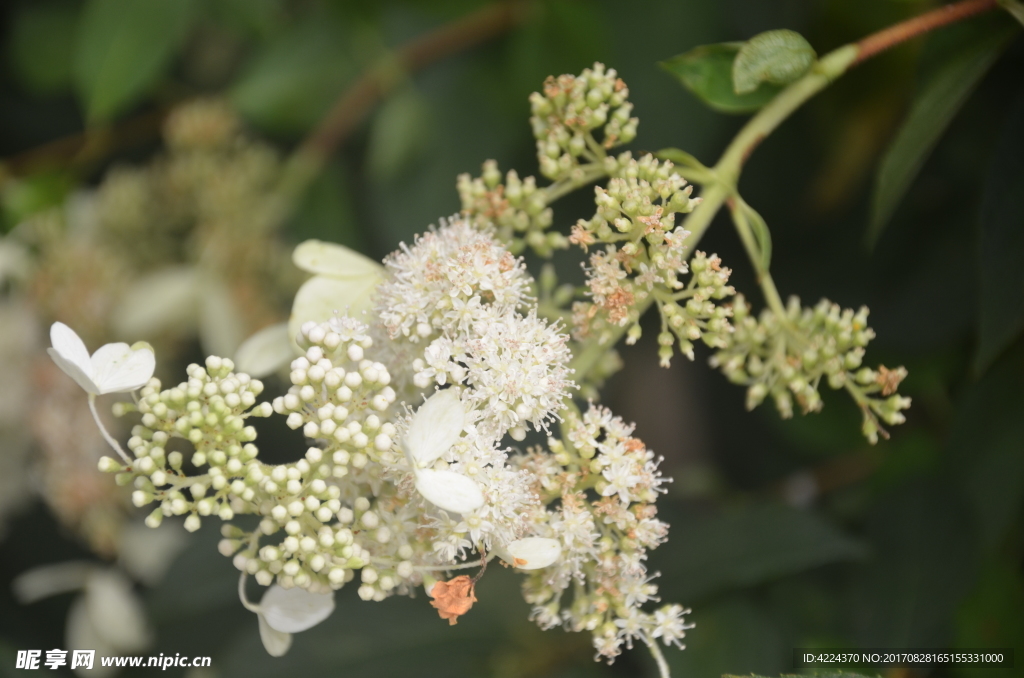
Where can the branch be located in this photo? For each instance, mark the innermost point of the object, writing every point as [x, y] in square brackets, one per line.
[379, 80]
[919, 25]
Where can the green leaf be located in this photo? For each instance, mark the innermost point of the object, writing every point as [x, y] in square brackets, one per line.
[688, 166]
[707, 72]
[924, 557]
[736, 636]
[1015, 8]
[292, 83]
[778, 57]
[933, 109]
[745, 547]
[1001, 237]
[985, 447]
[399, 134]
[41, 43]
[762, 235]
[123, 48]
[991, 617]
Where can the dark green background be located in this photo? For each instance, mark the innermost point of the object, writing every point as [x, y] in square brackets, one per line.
[914, 543]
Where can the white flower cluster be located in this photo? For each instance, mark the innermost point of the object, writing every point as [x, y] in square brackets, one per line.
[379, 495]
[601, 583]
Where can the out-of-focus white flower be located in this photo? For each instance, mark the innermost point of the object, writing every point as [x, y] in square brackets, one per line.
[113, 368]
[283, 612]
[534, 553]
[108, 616]
[343, 282]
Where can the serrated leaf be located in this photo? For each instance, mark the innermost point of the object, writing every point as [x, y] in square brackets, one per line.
[1001, 236]
[122, 49]
[748, 546]
[933, 109]
[41, 41]
[778, 57]
[707, 72]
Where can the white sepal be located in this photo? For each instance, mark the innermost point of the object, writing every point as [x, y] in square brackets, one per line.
[114, 368]
[276, 643]
[534, 553]
[265, 352]
[294, 610]
[435, 427]
[449, 490]
[336, 261]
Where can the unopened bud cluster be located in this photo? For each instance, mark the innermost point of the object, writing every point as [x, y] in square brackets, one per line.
[693, 313]
[517, 209]
[209, 411]
[787, 358]
[570, 109]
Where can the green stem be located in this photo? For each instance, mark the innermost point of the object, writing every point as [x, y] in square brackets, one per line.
[659, 658]
[106, 434]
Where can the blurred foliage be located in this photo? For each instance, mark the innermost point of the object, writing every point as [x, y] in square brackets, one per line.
[784, 534]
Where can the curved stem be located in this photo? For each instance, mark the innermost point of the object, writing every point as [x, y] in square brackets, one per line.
[242, 597]
[659, 658]
[103, 429]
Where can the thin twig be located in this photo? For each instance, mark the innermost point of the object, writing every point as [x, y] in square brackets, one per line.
[901, 32]
[379, 80]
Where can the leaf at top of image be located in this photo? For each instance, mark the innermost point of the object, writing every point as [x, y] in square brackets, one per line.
[707, 72]
[40, 46]
[778, 57]
[1001, 244]
[122, 49]
[936, 103]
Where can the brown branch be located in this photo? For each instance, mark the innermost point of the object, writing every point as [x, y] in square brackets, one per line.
[351, 108]
[929, 21]
[377, 82]
[83, 147]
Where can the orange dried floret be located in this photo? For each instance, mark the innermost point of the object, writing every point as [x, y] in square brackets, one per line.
[453, 598]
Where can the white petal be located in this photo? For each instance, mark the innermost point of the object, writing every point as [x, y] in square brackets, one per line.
[435, 427]
[277, 643]
[119, 368]
[71, 355]
[80, 633]
[164, 302]
[221, 325]
[533, 553]
[295, 609]
[49, 580]
[265, 352]
[449, 490]
[337, 261]
[116, 611]
[321, 297]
